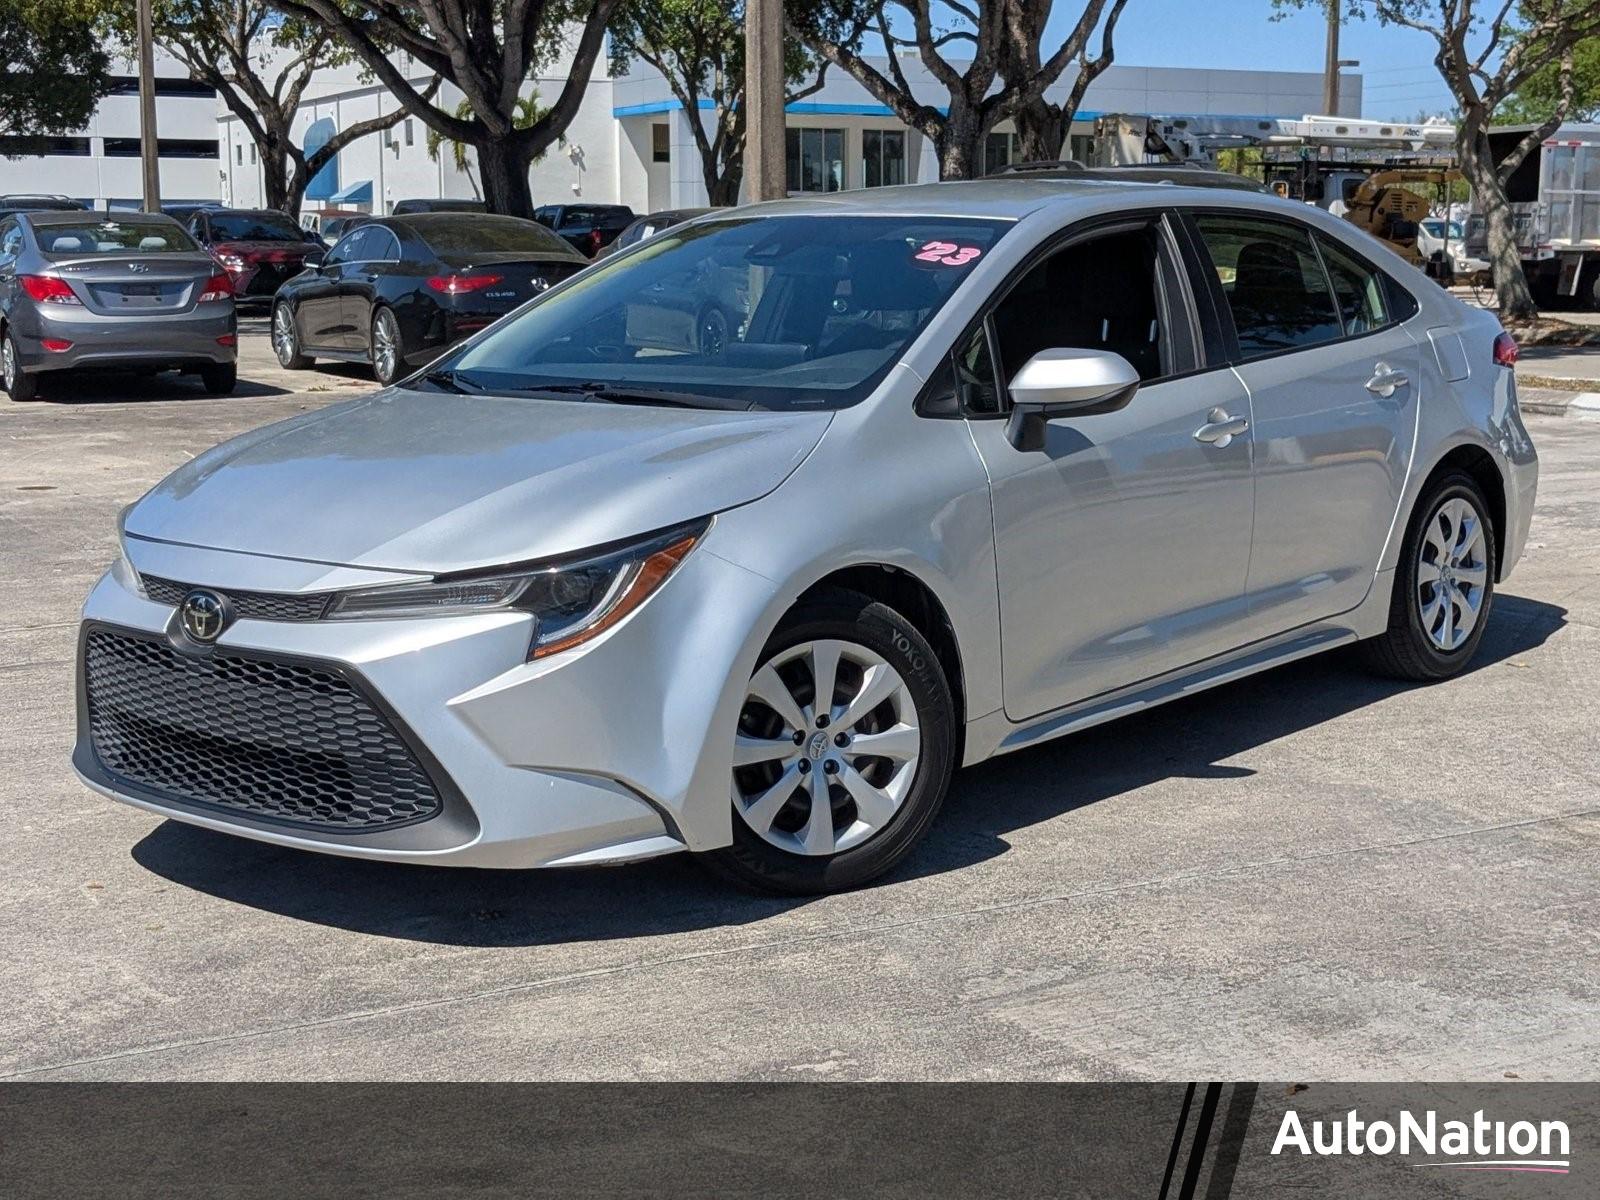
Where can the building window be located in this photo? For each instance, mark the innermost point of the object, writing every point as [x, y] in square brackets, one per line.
[1081, 147]
[238, 153]
[660, 143]
[20, 144]
[128, 147]
[999, 150]
[410, 132]
[253, 159]
[883, 157]
[815, 160]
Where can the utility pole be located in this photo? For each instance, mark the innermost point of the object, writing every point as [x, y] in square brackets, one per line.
[763, 92]
[148, 149]
[1330, 69]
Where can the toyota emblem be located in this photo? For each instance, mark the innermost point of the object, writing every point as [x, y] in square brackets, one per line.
[204, 615]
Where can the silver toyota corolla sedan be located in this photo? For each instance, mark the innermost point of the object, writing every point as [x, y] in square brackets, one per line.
[130, 291]
[975, 465]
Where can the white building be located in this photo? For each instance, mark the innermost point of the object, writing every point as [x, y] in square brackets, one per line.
[630, 143]
[99, 164]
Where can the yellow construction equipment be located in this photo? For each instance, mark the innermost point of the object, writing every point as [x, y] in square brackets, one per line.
[1391, 204]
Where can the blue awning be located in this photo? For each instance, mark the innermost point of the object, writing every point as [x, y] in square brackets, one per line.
[357, 193]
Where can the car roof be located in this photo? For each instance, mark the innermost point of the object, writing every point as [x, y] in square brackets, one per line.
[68, 216]
[1008, 197]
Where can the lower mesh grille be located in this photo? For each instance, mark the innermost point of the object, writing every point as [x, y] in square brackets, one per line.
[284, 741]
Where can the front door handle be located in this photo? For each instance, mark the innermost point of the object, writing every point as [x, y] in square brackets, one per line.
[1386, 380]
[1220, 428]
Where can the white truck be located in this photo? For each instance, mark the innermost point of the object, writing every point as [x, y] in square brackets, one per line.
[1555, 205]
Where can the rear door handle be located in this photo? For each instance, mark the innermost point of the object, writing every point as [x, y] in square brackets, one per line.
[1220, 428]
[1386, 380]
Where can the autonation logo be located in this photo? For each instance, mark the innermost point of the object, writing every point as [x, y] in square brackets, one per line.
[1476, 1145]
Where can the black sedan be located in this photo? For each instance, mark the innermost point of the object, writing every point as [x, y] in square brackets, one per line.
[396, 291]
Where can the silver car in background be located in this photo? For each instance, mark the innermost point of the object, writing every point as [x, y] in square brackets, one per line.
[118, 290]
[975, 465]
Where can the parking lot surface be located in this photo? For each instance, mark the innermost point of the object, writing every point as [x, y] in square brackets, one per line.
[1312, 874]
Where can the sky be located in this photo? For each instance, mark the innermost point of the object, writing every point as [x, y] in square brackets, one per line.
[1399, 78]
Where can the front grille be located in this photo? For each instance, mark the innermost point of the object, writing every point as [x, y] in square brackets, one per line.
[284, 741]
[253, 606]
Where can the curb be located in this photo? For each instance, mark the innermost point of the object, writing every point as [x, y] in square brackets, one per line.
[1553, 403]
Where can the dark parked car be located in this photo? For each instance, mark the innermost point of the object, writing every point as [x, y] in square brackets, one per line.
[588, 228]
[28, 202]
[654, 223]
[334, 228]
[396, 291]
[183, 211]
[124, 290]
[259, 248]
[409, 208]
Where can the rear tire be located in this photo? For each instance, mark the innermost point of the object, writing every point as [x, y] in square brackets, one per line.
[219, 379]
[286, 340]
[889, 694]
[1443, 588]
[19, 385]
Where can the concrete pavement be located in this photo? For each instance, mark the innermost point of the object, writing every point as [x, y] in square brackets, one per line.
[1313, 874]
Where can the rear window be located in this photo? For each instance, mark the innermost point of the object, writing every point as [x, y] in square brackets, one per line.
[255, 227]
[605, 218]
[61, 240]
[489, 235]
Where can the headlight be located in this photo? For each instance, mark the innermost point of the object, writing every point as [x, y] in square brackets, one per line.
[570, 602]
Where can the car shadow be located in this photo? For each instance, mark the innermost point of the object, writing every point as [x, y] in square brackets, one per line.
[122, 387]
[1188, 738]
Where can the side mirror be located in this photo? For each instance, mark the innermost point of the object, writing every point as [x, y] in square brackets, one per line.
[1066, 382]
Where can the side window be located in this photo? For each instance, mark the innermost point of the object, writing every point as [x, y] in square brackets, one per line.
[1274, 283]
[383, 246]
[1357, 287]
[1103, 293]
[344, 249]
[10, 239]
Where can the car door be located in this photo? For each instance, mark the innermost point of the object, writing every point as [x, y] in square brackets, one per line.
[379, 250]
[1121, 545]
[10, 248]
[1333, 377]
[323, 323]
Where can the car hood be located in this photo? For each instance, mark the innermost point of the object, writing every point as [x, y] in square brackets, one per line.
[434, 482]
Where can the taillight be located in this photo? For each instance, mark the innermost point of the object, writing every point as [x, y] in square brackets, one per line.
[457, 285]
[55, 345]
[218, 287]
[1505, 350]
[594, 242]
[48, 289]
[227, 339]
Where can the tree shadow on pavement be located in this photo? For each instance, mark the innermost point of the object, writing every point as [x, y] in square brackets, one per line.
[456, 906]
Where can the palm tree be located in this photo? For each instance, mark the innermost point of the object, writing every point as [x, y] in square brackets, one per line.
[527, 111]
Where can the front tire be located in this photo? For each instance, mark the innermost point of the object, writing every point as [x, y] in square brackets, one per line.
[19, 385]
[386, 348]
[1444, 585]
[286, 340]
[829, 795]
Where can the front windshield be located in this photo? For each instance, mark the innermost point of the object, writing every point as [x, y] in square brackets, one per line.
[793, 312]
[71, 239]
[255, 227]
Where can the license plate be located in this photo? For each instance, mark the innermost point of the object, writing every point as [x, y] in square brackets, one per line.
[140, 291]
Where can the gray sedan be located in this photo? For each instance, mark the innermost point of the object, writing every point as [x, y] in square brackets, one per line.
[974, 466]
[121, 290]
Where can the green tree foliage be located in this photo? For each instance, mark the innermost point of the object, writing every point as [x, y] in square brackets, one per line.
[261, 64]
[698, 48]
[56, 67]
[1540, 96]
[488, 49]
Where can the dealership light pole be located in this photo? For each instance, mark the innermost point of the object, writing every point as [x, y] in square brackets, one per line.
[763, 92]
[148, 149]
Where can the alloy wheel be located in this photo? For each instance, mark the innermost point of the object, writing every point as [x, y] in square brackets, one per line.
[1452, 573]
[8, 364]
[827, 748]
[713, 333]
[385, 346]
[283, 336]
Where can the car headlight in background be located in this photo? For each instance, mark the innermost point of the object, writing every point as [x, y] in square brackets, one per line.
[570, 602]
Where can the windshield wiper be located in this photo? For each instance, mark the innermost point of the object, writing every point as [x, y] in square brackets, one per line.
[450, 381]
[630, 395]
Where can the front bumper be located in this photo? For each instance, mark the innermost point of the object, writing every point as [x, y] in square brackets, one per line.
[607, 753]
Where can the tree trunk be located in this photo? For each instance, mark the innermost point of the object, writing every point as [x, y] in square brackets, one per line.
[1489, 197]
[503, 169]
[1041, 132]
[275, 181]
[960, 145]
[723, 190]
